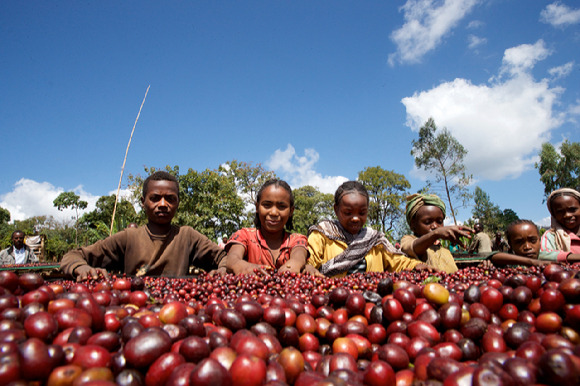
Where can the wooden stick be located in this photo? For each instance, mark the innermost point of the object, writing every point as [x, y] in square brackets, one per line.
[124, 161]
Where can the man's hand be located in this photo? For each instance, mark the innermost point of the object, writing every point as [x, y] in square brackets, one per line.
[220, 271]
[84, 271]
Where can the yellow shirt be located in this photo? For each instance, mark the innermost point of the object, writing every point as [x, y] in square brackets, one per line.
[322, 249]
[437, 256]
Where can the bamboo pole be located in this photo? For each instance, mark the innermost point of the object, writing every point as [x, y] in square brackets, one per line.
[124, 161]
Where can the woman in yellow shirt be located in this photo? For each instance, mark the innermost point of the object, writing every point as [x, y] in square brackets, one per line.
[344, 246]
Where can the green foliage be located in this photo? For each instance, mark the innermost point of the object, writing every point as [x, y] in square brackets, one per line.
[508, 216]
[442, 155]
[489, 214]
[248, 180]
[71, 200]
[4, 215]
[209, 203]
[103, 213]
[311, 207]
[387, 192]
[559, 169]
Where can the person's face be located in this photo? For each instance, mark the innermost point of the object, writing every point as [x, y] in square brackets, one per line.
[477, 228]
[18, 240]
[525, 240]
[161, 202]
[566, 210]
[274, 209]
[352, 211]
[427, 219]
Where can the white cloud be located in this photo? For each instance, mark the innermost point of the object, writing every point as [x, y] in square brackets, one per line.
[561, 71]
[299, 170]
[503, 124]
[575, 108]
[521, 59]
[475, 24]
[426, 24]
[559, 15]
[475, 41]
[30, 198]
[545, 222]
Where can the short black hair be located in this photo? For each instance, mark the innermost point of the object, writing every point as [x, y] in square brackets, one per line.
[160, 175]
[278, 183]
[510, 229]
[350, 187]
[17, 231]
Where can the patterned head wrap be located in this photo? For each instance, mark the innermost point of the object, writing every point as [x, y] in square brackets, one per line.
[417, 200]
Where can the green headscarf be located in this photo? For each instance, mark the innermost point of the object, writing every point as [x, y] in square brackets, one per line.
[417, 200]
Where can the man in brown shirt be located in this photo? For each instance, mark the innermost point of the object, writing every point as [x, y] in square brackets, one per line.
[157, 248]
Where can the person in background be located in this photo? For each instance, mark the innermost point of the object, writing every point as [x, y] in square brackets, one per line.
[223, 241]
[345, 246]
[155, 249]
[18, 252]
[269, 244]
[480, 242]
[425, 215]
[562, 240]
[499, 243]
[523, 240]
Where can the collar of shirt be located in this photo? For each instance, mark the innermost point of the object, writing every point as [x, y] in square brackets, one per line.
[264, 244]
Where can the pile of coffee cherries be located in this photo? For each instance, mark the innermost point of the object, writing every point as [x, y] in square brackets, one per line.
[509, 326]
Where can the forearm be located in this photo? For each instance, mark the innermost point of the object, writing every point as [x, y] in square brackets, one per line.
[573, 257]
[502, 258]
[71, 261]
[421, 244]
[296, 262]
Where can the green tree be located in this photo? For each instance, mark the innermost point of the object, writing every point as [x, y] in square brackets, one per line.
[387, 192]
[4, 215]
[559, 169]
[508, 216]
[70, 200]
[248, 180]
[210, 203]
[104, 211]
[486, 211]
[441, 154]
[489, 214]
[311, 207]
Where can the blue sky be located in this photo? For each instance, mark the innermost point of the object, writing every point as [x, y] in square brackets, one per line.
[315, 91]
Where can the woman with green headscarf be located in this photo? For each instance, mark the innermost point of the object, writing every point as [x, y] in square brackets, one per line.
[425, 215]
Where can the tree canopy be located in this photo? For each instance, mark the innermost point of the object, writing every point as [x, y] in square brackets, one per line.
[387, 192]
[71, 200]
[559, 169]
[490, 214]
[311, 207]
[441, 154]
[248, 180]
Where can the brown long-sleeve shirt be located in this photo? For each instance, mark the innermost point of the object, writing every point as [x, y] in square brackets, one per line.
[137, 250]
